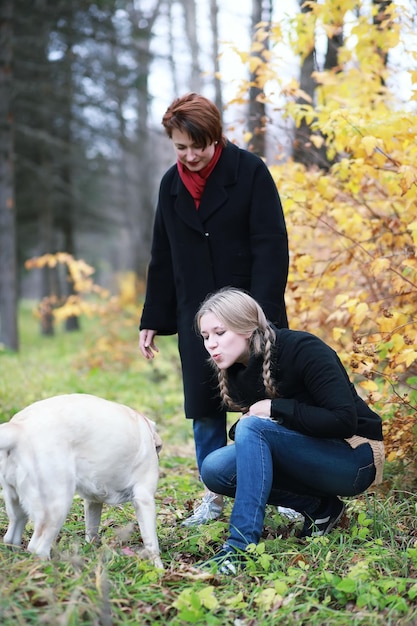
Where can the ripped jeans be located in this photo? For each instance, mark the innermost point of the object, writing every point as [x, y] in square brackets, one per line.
[270, 464]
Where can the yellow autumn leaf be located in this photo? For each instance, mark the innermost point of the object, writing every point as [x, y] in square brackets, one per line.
[337, 332]
[407, 356]
[317, 140]
[369, 385]
[254, 64]
[351, 304]
[392, 456]
[341, 299]
[303, 263]
[300, 196]
[369, 143]
[408, 177]
[360, 313]
[413, 229]
[378, 266]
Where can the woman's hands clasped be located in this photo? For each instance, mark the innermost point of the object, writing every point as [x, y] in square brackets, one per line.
[262, 409]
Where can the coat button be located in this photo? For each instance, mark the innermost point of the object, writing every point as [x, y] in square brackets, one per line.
[206, 234]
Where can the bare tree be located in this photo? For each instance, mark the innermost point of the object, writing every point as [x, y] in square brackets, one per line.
[190, 19]
[304, 151]
[382, 19]
[171, 56]
[141, 213]
[261, 12]
[8, 255]
[66, 211]
[214, 15]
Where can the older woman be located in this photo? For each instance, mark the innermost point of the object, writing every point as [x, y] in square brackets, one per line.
[218, 222]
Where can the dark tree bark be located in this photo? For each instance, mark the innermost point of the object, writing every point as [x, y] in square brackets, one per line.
[8, 255]
[214, 14]
[304, 151]
[66, 209]
[261, 12]
[382, 19]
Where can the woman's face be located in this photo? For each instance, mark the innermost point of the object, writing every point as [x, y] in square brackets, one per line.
[193, 157]
[223, 345]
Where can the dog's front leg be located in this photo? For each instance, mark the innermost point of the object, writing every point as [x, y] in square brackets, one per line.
[92, 512]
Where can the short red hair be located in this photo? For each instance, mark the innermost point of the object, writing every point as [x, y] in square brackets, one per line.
[197, 116]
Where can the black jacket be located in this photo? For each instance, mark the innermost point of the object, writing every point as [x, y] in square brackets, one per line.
[316, 396]
[237, 238]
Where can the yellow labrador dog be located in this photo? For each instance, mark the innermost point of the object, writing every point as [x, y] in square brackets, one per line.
[77, 443]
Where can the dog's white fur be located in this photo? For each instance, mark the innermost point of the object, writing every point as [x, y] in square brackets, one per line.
[77, 443]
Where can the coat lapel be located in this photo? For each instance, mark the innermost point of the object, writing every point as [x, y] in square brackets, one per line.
[215, 193]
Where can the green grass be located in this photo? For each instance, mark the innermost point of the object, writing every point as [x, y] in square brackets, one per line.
[362, 573]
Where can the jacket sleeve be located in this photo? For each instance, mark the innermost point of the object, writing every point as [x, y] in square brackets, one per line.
[269, 246]
[160, 308]
[329, 409]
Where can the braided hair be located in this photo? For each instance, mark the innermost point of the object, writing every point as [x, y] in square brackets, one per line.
[239, 312]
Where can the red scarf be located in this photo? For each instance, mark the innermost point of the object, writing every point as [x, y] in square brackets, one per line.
[196, 181]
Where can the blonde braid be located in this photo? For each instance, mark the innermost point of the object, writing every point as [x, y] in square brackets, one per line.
[224, 393]
[270, 388]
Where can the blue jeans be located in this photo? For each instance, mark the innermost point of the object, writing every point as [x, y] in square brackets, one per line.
[209, 435]
[270, 464]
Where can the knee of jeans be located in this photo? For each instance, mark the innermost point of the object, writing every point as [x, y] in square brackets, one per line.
[246, 427]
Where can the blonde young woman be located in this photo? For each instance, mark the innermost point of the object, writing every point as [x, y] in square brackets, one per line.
[305, 436]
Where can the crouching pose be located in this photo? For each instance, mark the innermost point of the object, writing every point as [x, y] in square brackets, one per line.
[305, 436]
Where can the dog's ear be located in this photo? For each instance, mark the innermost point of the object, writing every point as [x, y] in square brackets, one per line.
[158, 441]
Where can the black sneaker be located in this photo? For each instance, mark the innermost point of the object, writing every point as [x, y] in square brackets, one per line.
[324, 519]
[227, 561]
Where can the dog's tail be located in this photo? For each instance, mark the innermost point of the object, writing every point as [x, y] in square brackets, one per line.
[8, 436]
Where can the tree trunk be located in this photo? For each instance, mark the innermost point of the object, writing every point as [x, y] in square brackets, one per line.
[190, 13]
[67, 205]
[304, 151]
[383, 13]
[140, 215]
[257, 112]
[214, 13]
[8, 254]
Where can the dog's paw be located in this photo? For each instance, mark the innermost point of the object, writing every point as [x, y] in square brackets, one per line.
[143, 553]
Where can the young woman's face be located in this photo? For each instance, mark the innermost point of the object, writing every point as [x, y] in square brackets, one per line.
[223, 345]
[195, 158]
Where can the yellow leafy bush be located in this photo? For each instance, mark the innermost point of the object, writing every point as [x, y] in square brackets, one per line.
[353, 229]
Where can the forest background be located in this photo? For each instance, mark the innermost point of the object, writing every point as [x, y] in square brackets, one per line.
[326, 92]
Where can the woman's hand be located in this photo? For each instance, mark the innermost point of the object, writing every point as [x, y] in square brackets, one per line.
[262, 408]
[147, 344]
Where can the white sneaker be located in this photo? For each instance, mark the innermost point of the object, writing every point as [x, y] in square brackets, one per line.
[206, 511]
[290, 514]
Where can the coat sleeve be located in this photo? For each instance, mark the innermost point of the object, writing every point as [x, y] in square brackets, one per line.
[160, 308]
[269, 247]
[329, 409]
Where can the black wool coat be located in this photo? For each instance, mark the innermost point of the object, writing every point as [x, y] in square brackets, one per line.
[236, 238]
[316, 396]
